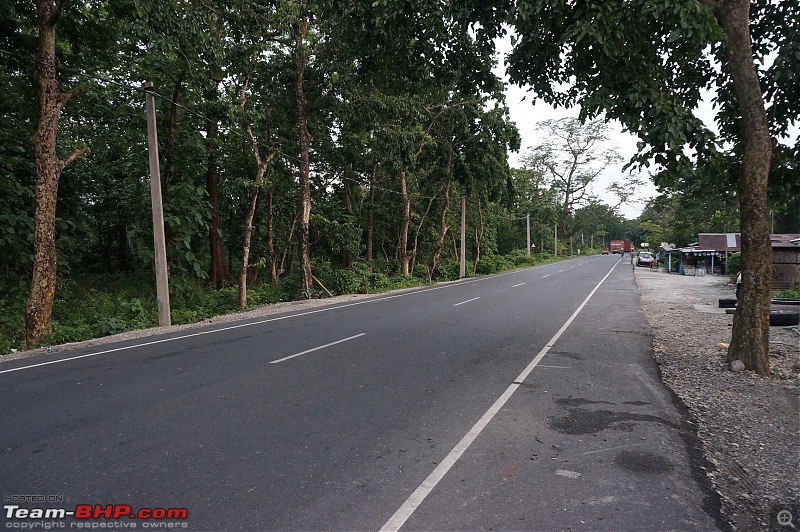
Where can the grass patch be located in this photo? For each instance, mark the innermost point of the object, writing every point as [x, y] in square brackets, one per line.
[92, 306]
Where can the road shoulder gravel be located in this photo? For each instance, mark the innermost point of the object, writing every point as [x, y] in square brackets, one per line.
[749, 426]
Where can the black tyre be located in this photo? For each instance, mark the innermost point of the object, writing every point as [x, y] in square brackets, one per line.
[784, 317]
[726, 302]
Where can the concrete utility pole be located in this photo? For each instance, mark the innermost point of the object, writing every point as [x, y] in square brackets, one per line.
[162, 282]
[555, 240]
[463, 266]
[528, 222]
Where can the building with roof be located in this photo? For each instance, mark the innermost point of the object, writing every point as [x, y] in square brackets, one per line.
[785, 260]
[710, 253]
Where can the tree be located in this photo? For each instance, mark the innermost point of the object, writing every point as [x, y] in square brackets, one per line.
[750, 339]
[48, 170]
[571, 157]
[644, 64]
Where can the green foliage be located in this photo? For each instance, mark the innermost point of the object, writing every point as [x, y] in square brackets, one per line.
[733, 265]
[345, 282]
[447, 270]
[793, 292]
[520, 258]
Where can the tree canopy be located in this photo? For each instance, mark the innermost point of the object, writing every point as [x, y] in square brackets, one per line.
[325, 144]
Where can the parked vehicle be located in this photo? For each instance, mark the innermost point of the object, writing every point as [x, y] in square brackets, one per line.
[645, 258]
[627, 246]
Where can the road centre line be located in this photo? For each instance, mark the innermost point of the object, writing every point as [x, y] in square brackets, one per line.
[467, 301]
[423, 490]
[517, 285]
[317, 348]
[261, 322]
[543, 276]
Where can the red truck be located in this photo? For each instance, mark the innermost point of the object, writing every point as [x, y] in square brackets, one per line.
[622, 246]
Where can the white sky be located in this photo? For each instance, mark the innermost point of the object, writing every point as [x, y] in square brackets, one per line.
[527, 116]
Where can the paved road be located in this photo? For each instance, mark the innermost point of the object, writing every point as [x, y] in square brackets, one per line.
[527, 400]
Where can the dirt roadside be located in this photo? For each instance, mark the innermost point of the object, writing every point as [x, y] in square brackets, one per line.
[749, 425]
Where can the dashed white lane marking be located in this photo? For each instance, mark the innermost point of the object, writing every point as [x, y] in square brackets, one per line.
[260, 322]
[517, 285]
[467, 301]
[318, 348]
[567, 473]
[415, 499]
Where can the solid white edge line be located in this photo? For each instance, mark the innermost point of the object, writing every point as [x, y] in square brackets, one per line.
[317, 348]
[415, 499]
[261, 322]
[467, 301]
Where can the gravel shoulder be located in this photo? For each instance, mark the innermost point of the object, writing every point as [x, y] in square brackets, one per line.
[749, 426]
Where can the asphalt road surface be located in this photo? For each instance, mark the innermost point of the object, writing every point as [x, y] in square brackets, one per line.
[522, 401]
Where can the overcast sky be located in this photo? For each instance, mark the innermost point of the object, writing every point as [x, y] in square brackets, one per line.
[527, 116]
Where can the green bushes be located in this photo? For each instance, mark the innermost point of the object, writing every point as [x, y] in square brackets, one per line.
[793, 292]
[733, 265]
[91, 306]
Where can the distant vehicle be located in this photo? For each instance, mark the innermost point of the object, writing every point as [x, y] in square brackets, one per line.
[604, 252]
[645, 258]
[627, 246]
[616, 246]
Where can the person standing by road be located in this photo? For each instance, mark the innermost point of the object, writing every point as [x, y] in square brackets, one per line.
[739, 286]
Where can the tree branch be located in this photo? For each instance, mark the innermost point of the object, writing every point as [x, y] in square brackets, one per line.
[72, 156]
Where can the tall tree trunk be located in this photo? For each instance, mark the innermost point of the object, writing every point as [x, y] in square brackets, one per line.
[750, 336]
[419, 230]
[273, 258]
[405, 221]
[347, 258]
[39, 308]
[437, 251]
[218, 274]
[371, 212]
[262, 164]
[301, 56]
[288, 248]
[478, 238]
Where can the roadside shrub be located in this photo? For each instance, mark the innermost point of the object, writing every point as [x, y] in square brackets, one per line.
[733, 265]
[446, 270]
[486, 266]
[421, 271]
[793, 292]
[344, 282]
[379, 282]
[501, 263]
[404, 281]
[520, 257]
